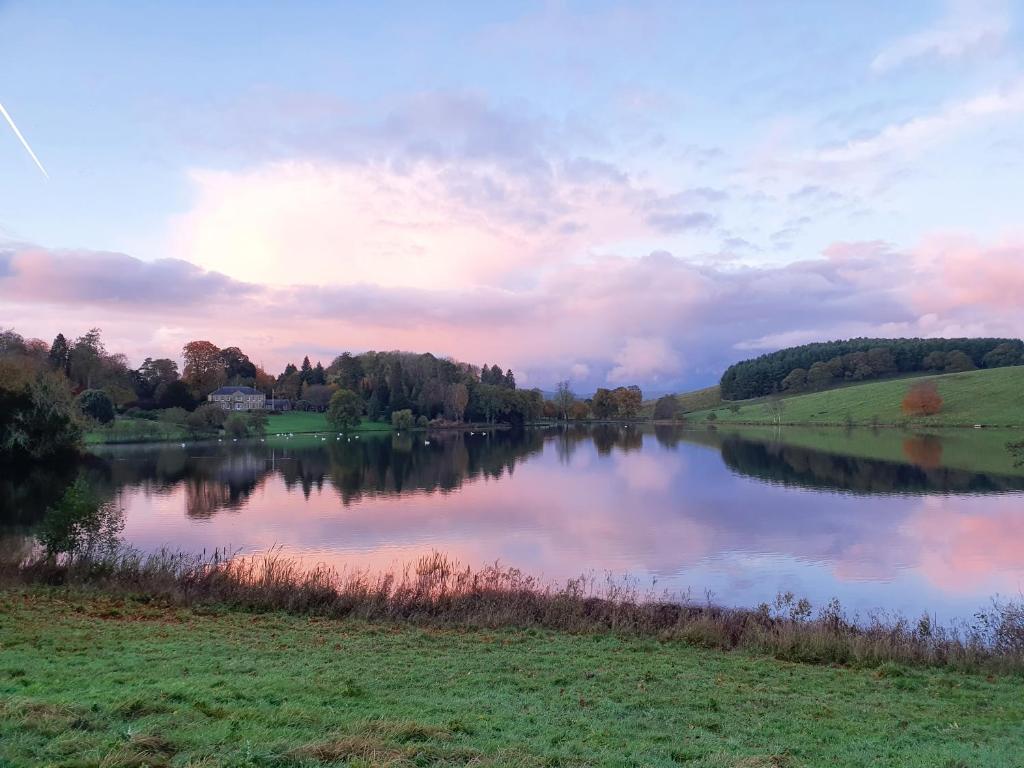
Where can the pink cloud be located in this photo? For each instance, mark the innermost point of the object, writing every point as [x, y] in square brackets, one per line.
[654, 320]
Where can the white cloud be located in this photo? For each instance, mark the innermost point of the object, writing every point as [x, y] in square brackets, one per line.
[645, 359]
[967, 27]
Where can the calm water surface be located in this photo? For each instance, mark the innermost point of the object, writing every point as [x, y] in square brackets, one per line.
[687, 510]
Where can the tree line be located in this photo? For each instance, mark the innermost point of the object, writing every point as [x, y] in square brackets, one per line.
[817, 366]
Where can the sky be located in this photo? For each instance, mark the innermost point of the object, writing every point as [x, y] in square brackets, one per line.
[601, 192]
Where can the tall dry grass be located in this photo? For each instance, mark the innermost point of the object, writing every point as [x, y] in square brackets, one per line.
[438, 592]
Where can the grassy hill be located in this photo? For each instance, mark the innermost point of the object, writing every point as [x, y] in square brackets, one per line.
[992, 398]
[698, 400]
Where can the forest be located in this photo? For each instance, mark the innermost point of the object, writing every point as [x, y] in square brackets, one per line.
[823, 365]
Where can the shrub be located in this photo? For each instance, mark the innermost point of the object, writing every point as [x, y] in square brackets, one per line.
[96, 404]
[236, 425]
[206, 418]
[922, 399]
[173, 416]
[422, 422]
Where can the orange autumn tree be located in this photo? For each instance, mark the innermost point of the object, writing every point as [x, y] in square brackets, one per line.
[922, 399]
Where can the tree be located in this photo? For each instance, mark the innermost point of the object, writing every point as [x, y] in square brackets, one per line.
[174, 394]
[256, 423]
[958, 361]
[819, 376]
[346, 371]
[1007, 353]
[604, 404]
[579, 411]
[628, 401]
[60, 355]
[934, 361]
[86, 358]
[666, 407]
[403, 419]
[37, 414]
[289, 385]
[152, 373]
[204, 367]
[795, 381]
[775, 407]
[306, 372]
[96, 405]
[509, 380]
[238, 368]
[345, 409]
[456, 398]
[319, 376]
[564, 399]
[318, 395]
[922, 399]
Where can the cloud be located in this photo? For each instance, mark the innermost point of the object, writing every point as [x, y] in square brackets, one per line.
[654, 320]
[29, 273]
[920, 133]
[968, 27]
[645, 359]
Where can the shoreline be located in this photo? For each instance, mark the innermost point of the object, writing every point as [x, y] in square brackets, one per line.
[437, 592]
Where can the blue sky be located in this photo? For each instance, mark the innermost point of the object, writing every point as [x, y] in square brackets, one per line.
[617, 177]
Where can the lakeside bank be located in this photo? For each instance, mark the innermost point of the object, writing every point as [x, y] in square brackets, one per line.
[87, 679]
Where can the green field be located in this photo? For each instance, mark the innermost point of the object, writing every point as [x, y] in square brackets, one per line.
[992, 398]
[125, 430]
[298, 422]
[95, 681]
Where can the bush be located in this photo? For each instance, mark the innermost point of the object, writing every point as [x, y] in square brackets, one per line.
[206, 418]
[402, 419]
[177, 416]
[922, 399]
[96, 404]
[236, 425]
[422, 422]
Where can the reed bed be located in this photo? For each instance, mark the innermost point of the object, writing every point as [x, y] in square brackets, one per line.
[438, 592]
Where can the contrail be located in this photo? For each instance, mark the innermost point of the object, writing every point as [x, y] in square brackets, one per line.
[10, 121]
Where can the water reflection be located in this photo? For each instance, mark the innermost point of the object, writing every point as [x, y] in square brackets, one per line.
[742, 517]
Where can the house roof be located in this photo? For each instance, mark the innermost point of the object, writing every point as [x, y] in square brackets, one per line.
[235, 391]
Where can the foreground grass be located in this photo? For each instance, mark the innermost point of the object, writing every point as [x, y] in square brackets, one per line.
[993, 398]
[88, 680]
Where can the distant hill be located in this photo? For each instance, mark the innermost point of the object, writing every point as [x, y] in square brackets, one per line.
[823, 365]
[993, 397]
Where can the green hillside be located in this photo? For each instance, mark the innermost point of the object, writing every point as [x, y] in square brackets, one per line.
[992, 398]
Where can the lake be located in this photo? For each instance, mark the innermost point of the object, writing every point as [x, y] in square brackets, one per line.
[882, 520]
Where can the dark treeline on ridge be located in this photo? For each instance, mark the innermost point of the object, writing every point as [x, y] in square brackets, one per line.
[822, 365]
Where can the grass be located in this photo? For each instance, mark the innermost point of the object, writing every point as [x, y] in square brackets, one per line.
[993, 398]
[300, 422]
[89, 680]
[437, 592]
[127, 430]
[698, 400]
